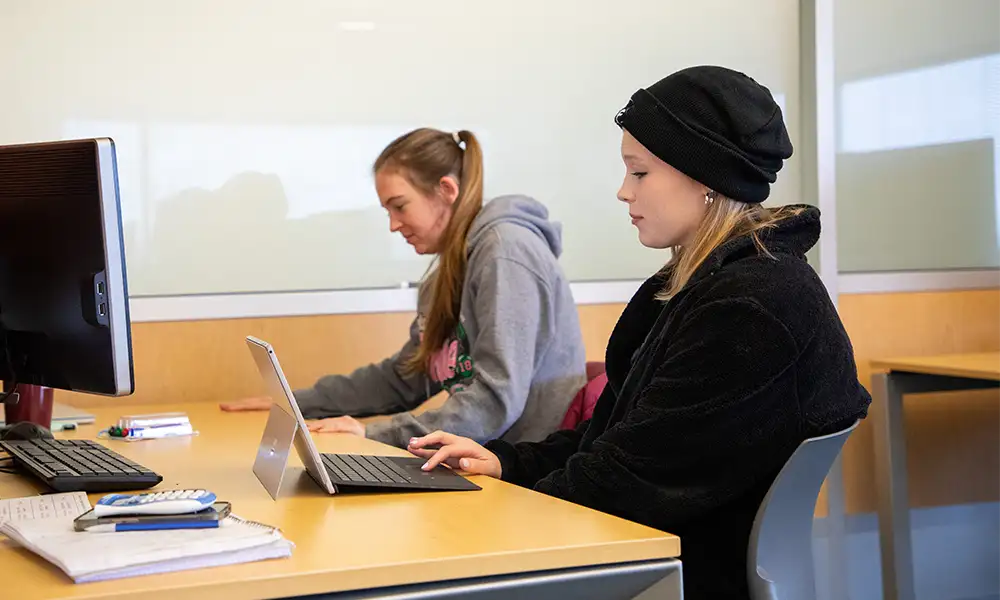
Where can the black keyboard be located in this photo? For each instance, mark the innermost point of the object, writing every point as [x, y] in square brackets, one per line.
[79, 465]
[361, 469]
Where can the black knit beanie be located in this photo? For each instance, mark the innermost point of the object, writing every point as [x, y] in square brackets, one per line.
[715, 125]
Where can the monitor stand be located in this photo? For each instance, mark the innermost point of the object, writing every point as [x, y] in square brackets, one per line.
[275, 446]
[8, 399]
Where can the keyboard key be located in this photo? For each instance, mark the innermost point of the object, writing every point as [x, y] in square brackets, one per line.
[387, 473]
[400, 473]
[348, 469]
[333, 468]
[360, 468]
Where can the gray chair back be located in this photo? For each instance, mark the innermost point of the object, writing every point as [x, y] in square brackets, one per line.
[780, 558]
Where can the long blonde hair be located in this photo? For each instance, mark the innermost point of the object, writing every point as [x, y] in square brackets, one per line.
[724, 220]
[423, 157]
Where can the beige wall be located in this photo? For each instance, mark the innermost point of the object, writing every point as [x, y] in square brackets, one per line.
[207, 361]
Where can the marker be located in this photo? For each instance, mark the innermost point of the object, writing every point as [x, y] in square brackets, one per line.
[150, 432]
[157, 432]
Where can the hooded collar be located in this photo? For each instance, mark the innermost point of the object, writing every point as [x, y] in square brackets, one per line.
[794, 235]
[522, 211]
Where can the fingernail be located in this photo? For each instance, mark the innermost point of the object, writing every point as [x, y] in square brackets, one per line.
[464, 463]
[413, 441]
[425, 466]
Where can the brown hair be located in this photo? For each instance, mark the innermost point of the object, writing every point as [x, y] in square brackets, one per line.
[423, 157]
[725, 219]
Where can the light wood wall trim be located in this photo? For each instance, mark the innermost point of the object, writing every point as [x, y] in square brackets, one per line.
[207, 361]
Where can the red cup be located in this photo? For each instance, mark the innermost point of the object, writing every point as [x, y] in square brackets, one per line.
[34, 404]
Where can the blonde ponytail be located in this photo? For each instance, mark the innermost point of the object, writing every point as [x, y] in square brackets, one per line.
[424, 156]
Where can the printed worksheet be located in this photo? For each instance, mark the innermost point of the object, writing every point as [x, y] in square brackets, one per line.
[70, 504]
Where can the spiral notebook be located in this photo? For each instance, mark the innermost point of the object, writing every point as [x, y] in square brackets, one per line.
[89, 557]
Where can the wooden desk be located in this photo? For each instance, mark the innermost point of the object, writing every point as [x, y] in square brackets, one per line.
[347, 542]
[901, 376]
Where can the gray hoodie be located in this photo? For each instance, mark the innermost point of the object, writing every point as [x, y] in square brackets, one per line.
[515, 360]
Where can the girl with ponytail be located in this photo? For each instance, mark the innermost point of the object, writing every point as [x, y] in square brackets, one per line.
[496, 328]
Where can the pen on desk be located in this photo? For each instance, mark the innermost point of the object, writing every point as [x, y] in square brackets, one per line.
[152, 428]
[118, 527]
[151, 431]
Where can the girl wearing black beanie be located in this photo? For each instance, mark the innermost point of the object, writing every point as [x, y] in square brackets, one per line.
[722, 362]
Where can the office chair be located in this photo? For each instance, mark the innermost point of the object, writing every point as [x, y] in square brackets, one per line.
[780, 558]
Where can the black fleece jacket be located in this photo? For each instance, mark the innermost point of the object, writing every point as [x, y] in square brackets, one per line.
[708, 395]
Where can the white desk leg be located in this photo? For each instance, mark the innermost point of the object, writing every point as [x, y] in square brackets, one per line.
[891, 489]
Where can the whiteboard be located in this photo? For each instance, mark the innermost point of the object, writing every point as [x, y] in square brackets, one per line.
[246, 129]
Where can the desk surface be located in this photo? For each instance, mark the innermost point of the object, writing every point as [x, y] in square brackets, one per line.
[975, 366]
[341, 542]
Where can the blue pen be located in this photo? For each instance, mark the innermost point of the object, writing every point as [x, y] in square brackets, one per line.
[151, 526]
[155, 431]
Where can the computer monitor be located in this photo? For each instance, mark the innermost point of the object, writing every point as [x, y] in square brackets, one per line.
[64, 320]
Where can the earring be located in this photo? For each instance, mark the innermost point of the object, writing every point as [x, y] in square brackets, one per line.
[709, 197]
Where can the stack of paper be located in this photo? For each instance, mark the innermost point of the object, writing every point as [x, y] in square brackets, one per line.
[86, 556]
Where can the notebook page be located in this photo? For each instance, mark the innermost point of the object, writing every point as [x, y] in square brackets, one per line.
[81, 554]
[50, 506]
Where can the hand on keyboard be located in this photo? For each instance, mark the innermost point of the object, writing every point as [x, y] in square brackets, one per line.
[456, 452]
